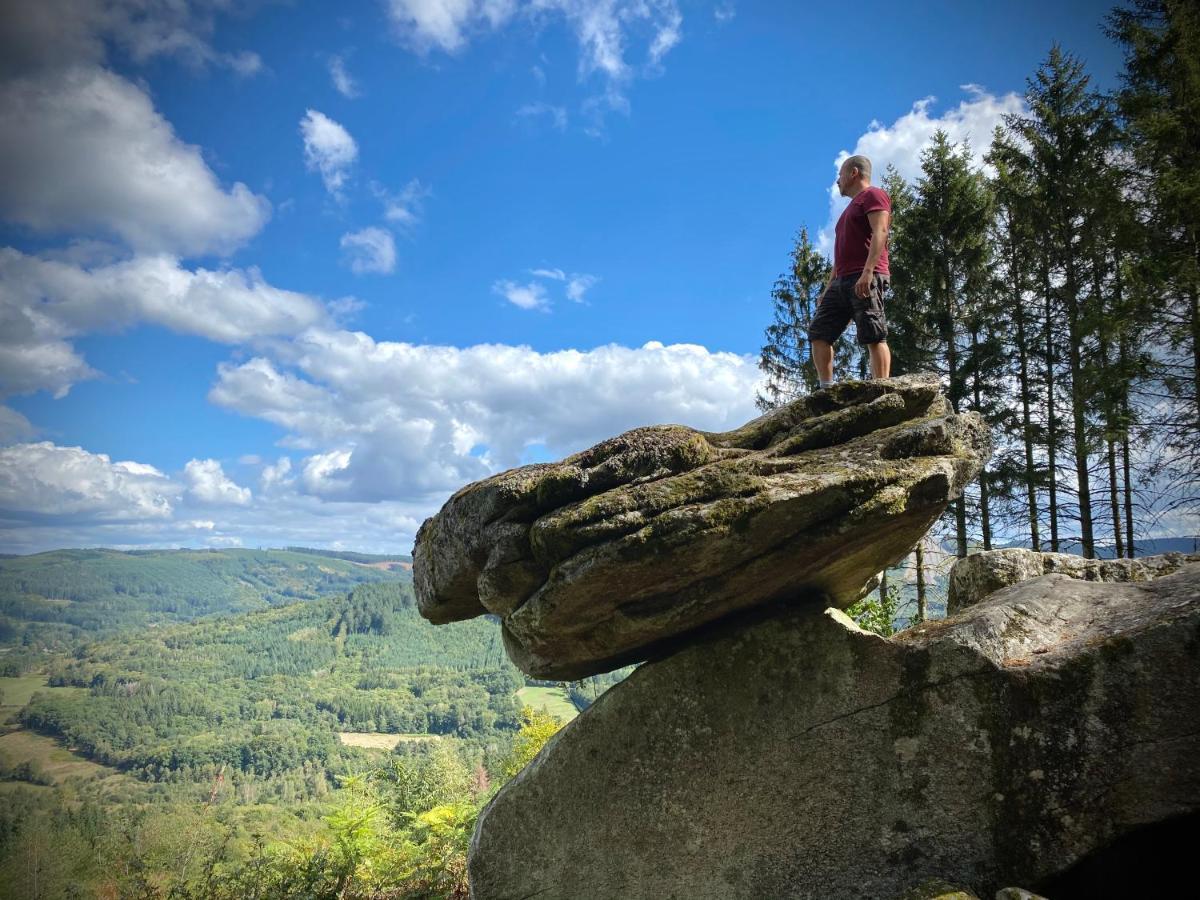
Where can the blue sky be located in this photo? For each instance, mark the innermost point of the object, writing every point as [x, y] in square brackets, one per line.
[278, 273]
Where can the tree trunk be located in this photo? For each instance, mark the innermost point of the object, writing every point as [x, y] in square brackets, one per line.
[1052, 421]
[1079, 415]
[984, 506]
[1128, 486]
[1195, 323]
[921, 580]
[1114, 498]
[1027, 425]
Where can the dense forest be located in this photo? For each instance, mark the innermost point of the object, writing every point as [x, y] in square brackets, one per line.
[257, 753]
[1056, 290]
[51, 600]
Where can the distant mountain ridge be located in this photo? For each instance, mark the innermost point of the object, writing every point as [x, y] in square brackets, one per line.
[54, 598]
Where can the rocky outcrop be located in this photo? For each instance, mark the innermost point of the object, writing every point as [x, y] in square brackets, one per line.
[980, 574]
[793, 755]
[616, 553]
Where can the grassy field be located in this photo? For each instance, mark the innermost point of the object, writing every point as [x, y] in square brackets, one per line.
[376, 740]
[553, 700]
[53, 759]
[17, 691]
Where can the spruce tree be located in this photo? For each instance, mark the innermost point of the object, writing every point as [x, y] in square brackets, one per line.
[942, 255]
[1062, 148]
[1160, 107]
[786, 356]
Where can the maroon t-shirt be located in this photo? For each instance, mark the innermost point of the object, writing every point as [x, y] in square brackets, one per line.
[852, 239]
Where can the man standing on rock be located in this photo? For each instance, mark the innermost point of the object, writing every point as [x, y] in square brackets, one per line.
[860, 275]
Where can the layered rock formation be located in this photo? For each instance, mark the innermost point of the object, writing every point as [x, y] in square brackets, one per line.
[617, 553]
[792, 755]
[982, 574]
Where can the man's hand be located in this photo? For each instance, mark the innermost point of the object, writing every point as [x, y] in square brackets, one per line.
[862, 287]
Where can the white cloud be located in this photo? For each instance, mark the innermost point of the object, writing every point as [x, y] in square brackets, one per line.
[84, 151]
[14, 426]
[224, 305]
[46, 480]
[901, 143]
[209, 484]
[557, 115]
[578, 285]
[342, 80]
[328, 149]
[322, 470]
[395, 421]
[428, 23]
[603, 30]
[45, 303]
[724, 12]
[404, 208]
[526, 296]
[370, 251]
[667, 35]
[59, 33]
[276, 474]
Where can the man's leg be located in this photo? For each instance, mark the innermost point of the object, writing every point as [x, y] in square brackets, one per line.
[822, 354]
[881, 360]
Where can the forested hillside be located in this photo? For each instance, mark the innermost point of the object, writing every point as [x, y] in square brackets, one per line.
[267, 693]
[53, 599]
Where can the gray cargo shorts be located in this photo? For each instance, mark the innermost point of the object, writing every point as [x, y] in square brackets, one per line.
[838, 305]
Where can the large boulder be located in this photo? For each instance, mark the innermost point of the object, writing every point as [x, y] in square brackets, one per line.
[980, 574]
[613, 554]
[796, 756]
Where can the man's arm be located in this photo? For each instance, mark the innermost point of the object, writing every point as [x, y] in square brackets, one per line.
[879, 220]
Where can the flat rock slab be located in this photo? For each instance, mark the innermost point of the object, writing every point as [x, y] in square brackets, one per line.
[615, 553]
[800, 757]
[981, 574]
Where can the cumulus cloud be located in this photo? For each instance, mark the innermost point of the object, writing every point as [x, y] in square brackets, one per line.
[900, 144]
[14, 426]
[328, 149]
[208, 483]
[342, 80]
[277, 473]
[46, 480]
[393, 421]
[83, 151]
[526, 296]
[370, 251]
[45, 303]
[58, 33]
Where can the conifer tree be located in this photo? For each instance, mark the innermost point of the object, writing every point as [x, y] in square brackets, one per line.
[1062, 148]
[786, 356]
[1014, 241]
[942, 253]
[1160, 107]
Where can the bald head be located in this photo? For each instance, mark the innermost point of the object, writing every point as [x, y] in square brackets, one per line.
[854, 176]
[861, 163]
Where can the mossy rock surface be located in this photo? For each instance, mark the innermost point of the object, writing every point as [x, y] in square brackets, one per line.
[618, 553]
